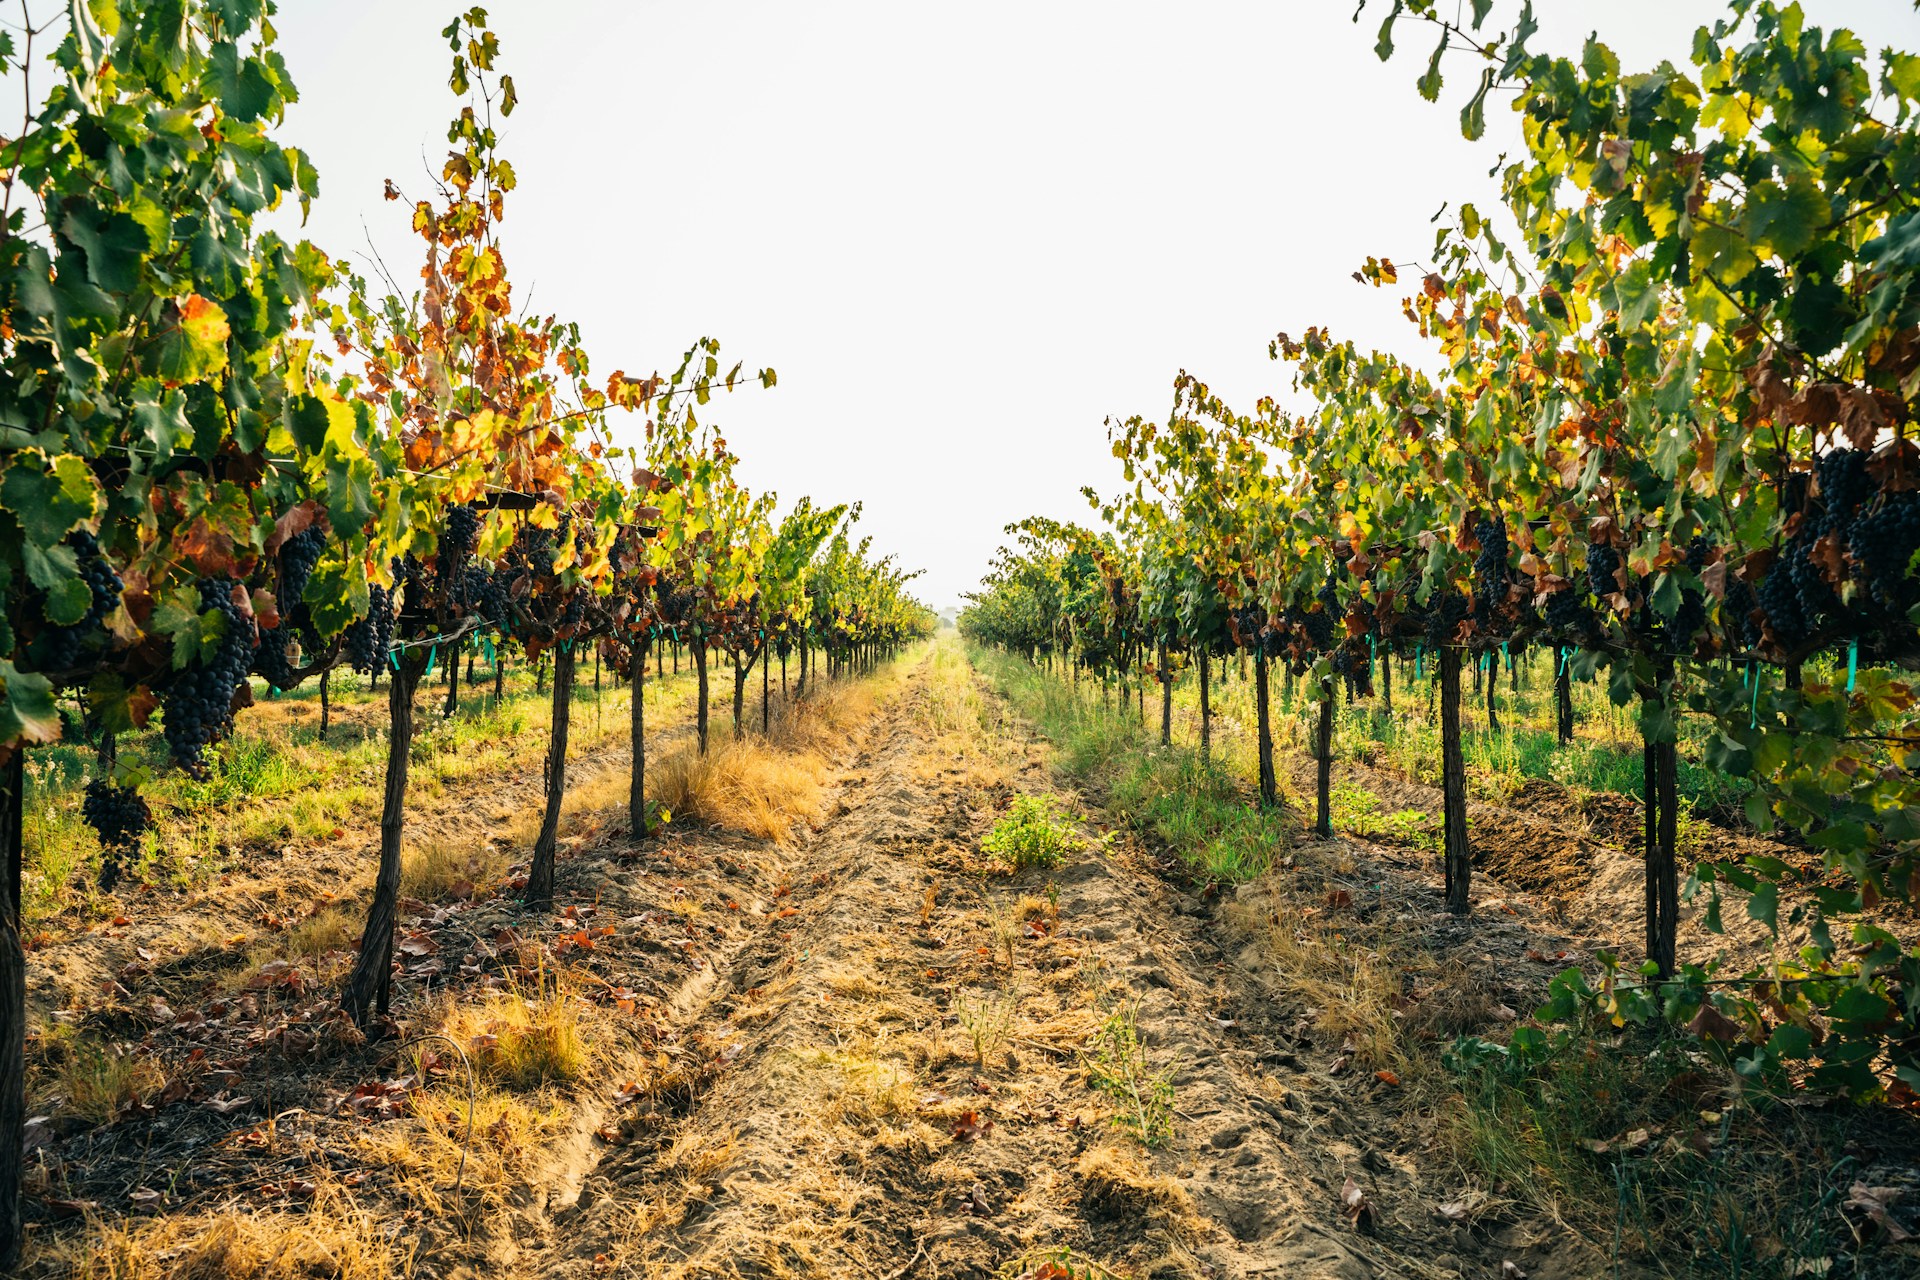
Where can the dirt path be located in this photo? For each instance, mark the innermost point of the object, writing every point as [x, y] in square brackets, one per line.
[894, 1075]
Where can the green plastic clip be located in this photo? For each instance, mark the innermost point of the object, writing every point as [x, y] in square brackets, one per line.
[1853, 662]
[1753, 717]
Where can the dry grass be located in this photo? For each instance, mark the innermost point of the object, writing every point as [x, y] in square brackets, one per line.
[424, 1158]
[963, 724]
[440, 869]
[523, 1038]
[333, 1240]
[766, 786]
[1350, 987]
[745, 784]
[96, 1080]
[1116, 1184]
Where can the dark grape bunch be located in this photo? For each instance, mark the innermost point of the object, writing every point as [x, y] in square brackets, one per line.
[1884, 543]
[1567, 611]
[298, 556]
[65, 645]
[1845, 487]
[1603, 566]
[1691, 617]
[119, 816]
[458, 539]
[198, 702]
[1489, 569]
[1736, 613]
[369, 639]
[484, 595]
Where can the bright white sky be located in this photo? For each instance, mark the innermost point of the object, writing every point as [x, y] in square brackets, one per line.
[963, 233]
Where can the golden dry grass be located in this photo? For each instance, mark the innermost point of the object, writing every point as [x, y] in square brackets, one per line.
[93, 1079]
[769, 785]
[424, 1157]
[745, 784]
[524, 1038]
[1350, 984]
[436, 869]
[333, 1240]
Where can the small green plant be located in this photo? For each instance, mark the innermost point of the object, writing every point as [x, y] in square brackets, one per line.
[987, 1019]
[1117, 1066]
[1033, 833]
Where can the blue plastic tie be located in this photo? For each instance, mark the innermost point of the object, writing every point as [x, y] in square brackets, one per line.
[433, 656]
[1420, 663]
[1561, 652]
[1753, 719]
[1506, 655]
[1853, 662]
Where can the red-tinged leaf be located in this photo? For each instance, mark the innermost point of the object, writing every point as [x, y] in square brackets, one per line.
[970, 1126]
[1386, 1077]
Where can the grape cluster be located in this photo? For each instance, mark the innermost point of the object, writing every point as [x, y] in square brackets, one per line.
[369, 639]
[459, 537]
[1884, 542]
[1736, 613]
[298, 556]
[484, 595]
[1567, 611]
[198, 701]
[1691, 617]
[1844, 487]
[1489, 569]
[1603, 565]
[119, 817]
[64, 645]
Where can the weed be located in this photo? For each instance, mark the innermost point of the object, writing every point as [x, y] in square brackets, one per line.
[987, 1020]
[1032, 834]
[1116, 1064]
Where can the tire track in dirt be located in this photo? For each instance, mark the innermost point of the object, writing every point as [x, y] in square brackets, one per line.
[853, 1128]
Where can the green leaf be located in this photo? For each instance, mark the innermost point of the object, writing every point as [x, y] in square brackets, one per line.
[1473, 116]
[1764, 905]
[1899, 245]
[49, 497]
[67, 601]
[1383, 44]
[115, 245]
[27, 713]
[1790, 1042]
[1429, 84]
[161, 416]
[241, 84]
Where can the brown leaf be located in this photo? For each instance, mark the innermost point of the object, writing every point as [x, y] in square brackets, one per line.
[970, 1126]
[1876, 1202]
[209, 550]
[1354, 1203]
[1711, 1024]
